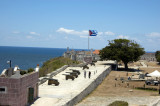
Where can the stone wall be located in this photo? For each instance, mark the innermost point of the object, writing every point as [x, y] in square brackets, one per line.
[79, 65]
[16, 93]
[89, 89]
[50, 75]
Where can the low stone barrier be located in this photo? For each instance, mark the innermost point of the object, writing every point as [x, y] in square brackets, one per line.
[89, 89]
[50, 75]
[79, 65]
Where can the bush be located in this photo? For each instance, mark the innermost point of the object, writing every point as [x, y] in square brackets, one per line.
[53, 64]
[148, 89]
[119, 103]
[23, 72]
[30, 70]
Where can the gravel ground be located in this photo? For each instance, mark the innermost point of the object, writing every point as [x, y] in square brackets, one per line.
[107, 93]
[133, 101]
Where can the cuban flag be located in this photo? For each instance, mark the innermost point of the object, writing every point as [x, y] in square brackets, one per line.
[93, 33]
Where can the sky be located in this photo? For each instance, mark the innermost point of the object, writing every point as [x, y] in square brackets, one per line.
[65, 23]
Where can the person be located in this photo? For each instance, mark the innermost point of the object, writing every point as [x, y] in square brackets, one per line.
[84, 73]
[89, 75]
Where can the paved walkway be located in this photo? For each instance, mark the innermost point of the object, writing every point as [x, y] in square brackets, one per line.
[59, 95]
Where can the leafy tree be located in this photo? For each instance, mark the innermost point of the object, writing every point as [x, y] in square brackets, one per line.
[157, 55]
[30, 70]
[122, 50]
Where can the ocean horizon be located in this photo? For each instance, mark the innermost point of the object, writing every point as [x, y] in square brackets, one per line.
[27, 57]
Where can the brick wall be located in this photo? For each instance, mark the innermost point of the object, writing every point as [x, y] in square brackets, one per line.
[17, 89]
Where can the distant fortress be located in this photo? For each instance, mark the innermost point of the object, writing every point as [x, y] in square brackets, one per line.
[81, 55]
[148, 57]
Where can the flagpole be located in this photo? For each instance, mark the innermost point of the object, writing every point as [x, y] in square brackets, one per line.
[88, 42]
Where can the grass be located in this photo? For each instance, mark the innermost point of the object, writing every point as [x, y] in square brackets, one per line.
[119, 103]
[53, 64]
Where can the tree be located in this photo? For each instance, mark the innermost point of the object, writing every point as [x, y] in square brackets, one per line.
[122, 50]
[157, 55]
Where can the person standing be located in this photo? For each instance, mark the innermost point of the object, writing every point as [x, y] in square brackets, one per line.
[84, 73]
[89, 75]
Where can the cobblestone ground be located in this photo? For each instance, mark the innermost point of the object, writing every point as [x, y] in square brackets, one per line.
[133, 101]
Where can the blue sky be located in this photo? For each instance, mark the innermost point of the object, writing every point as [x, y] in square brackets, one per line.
[65, 23]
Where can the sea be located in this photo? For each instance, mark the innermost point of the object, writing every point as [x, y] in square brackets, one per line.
[27, 57]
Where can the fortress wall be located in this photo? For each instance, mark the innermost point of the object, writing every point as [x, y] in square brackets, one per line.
[50, 75]
[43, 79]
[89, 89]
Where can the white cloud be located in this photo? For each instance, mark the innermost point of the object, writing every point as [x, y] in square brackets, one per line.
[16, 32]
[109, 33]
[150, 40]
[65, 37]
[29, 37]
[154, 34]
[34, 33]
[100, 33]
[122, 37]
[84, 36]
[72, 32]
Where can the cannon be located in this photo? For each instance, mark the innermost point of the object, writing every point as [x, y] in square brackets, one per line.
[77, 71]
[69, 77]
[92, 64]
[53, 81]
[94, 61]
[85, 67]
[73, 74]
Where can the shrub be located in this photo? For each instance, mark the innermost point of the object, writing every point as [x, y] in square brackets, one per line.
[119, 103]
[148, 89]
[53, 64]
[23, 72]
[30, 70]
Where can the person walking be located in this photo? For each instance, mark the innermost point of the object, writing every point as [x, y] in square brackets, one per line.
[89, 75]
[84, 73]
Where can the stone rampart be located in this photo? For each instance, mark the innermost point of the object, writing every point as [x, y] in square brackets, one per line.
[50, 75]
[89, 89]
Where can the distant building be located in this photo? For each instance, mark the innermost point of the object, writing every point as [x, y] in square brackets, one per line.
[148, 57]
[17, 89]
[80, 55]
[96, 52]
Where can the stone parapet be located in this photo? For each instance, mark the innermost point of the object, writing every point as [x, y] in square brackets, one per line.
[89, 89]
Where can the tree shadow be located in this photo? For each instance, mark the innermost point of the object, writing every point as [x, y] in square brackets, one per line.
[129, 70]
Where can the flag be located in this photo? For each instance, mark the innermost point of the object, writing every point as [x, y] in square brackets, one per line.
[93, 33]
